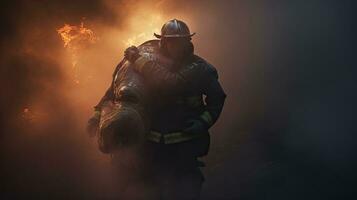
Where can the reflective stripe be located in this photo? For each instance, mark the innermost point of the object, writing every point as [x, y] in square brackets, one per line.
[177, 137]
[153, 136]
[171, 138]
[207, 117]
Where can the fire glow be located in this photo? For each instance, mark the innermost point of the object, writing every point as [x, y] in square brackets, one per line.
[144, 29]
[75, 39]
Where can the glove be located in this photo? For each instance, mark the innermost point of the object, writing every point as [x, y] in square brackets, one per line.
[93, 124]
[131, 54]
[196, 126]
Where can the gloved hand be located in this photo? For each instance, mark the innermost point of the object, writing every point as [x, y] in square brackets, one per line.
[131, 54]
[196, 126]
[93, 124]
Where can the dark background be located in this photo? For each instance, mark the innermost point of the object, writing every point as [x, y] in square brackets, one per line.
[287, 130]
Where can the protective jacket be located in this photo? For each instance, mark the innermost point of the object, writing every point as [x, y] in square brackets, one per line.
[180, 92]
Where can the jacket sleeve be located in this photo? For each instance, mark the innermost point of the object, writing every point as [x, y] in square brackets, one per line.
[215, 97]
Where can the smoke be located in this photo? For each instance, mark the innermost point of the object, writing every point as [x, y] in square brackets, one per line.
[46, 102]
[286, 67]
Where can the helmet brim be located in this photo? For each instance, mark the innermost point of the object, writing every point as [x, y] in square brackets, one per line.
[173, 36]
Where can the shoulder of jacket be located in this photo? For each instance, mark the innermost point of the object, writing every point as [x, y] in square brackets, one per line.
[149, 49]
[205, 66]
[150, 43]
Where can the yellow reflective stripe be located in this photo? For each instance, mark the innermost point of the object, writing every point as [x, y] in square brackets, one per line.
[171, 138]
[207, 117]
[153, 136]
[177, 137]
[140, 62]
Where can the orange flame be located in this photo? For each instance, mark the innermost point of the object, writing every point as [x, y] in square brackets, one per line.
[76, 38]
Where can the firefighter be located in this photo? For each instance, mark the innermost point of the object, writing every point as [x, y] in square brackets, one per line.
[187, 101]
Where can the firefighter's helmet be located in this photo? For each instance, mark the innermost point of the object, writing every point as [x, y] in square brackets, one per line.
[174, 28]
